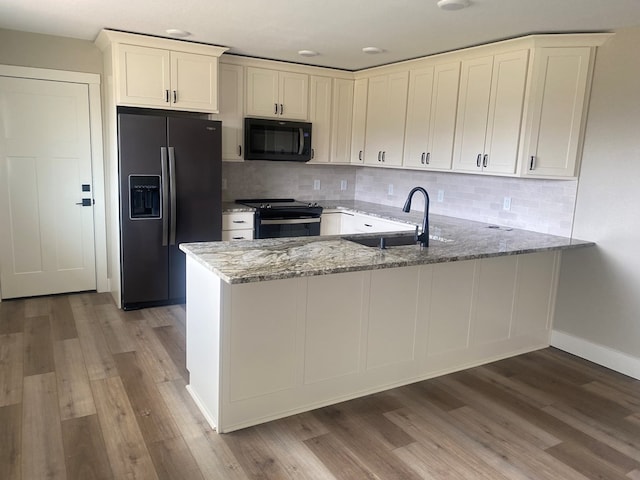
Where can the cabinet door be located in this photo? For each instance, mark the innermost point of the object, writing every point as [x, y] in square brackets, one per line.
[330, 223]
[473, 110]
[194, 82]
[559, 94]
[443, 116]
[386, 111]
[376, 120]
[320, 117]
[505, 112]
[416, 141]
[231, 97]
[359, 124]
[342, 112]
[144, 77]
[396, 118]
[262, 92]
[294, 95]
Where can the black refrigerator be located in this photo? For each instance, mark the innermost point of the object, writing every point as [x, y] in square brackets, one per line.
[170, 193]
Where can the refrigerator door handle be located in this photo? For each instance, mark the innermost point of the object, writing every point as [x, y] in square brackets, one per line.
[172, 193]
[165, 196]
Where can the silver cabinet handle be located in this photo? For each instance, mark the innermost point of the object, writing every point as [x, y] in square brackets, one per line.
[313, 153]
[172, 193]
[485, 160]
[275, 106]
[175, 96]
[532, 164]
[368, 225]
[379, 155]
[384, 154]
[165, 194]
[166, 96]
[281, 109]
[426, 159]
[422, 158]
[360, 155]
[478, 160]
[237, 238]
[239, 150]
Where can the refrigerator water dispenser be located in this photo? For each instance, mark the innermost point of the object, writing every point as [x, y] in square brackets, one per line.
[144, 196]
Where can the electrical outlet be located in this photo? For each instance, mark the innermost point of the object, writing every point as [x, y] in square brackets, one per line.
[391, 189]
[343, 185]
[506, 204]
[316, 184]
[224, 184]
[440, 196]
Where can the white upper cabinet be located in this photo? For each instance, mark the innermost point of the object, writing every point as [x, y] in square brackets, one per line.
[145, 77]
[231, 115]
[161, 73]
[341, 120]
[320, 117]
[359, 123]
[490, 105]
[431, 116]
[152, 77]
[277, 94]
[386, 112]
[560, 92]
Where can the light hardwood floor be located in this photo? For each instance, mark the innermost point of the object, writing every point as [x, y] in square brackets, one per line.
[91, 392]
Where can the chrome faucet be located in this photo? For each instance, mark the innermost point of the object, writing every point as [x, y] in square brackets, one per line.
[423, 238]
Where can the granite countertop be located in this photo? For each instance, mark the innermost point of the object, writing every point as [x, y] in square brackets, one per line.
[451, 239]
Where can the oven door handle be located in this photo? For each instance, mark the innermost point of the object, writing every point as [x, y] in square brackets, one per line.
[289, 221]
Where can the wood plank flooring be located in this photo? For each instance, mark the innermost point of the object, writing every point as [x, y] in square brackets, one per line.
[91, 392]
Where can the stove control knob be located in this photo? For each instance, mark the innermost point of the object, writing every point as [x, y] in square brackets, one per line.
[268, 205]
[310, 204]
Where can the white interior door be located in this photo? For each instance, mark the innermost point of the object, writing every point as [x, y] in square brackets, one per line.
[46, 235]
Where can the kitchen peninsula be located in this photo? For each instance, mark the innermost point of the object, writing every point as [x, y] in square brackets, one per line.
[280, 326]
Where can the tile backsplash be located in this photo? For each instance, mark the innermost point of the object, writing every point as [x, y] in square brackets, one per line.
[260, 179]
[541, 205]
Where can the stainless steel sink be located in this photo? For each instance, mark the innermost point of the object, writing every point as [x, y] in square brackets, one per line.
[396, 240]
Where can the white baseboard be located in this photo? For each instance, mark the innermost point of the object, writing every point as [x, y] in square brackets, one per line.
[605, 356]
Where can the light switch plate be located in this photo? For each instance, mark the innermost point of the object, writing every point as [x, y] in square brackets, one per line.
[506, 204]
[440, 196]
[343, 185]
[316, 184]
[391, 189]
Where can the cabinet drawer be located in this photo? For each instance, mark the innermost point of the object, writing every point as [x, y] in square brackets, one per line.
[230, 235]
[237, 221]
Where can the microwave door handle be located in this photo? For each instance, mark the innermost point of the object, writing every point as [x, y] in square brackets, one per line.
[165, 196]
[301, 142]
[172, 191]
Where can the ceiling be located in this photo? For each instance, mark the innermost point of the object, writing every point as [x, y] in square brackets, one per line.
[336, 29]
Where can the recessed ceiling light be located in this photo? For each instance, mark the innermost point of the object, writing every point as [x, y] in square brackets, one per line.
[372, 50]
[453, 4]
[308, 53]
[175, 32]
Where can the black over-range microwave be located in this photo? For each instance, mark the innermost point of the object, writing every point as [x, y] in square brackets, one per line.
[277, 140]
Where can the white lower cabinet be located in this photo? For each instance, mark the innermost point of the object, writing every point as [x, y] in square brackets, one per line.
[331, 223]
[360, 223]
[264, 350]
[237, 226]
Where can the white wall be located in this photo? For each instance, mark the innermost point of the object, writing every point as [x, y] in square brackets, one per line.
[48, 51]
[598, 306]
